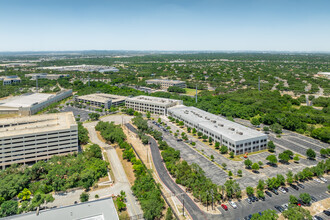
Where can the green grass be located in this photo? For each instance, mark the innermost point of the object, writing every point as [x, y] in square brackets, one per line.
[191, 91]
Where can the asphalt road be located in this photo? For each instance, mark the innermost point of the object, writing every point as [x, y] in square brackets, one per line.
[190, 205]
[318, 190]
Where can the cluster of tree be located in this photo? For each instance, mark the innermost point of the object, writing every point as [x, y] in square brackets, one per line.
[82, 134]
[32, 185]
[94, 116]
[176, 89]
[110, 132]
[120, 201]
[254, 166]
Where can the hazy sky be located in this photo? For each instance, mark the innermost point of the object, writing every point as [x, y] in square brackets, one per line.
[281, 25]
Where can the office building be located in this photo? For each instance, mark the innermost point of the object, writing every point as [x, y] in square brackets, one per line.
[101, 100]
[238, 138]
[31, 103]
[82, 68]
[8, 80]
[101, 209]
[165, 83]
[35, 76]
[152, 104]
[32, 138]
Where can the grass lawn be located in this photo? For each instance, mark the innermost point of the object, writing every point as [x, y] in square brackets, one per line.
[191, 91]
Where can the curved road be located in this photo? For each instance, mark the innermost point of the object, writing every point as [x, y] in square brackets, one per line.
[194, 211]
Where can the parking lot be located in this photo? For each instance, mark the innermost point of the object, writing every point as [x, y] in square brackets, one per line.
[318, 190]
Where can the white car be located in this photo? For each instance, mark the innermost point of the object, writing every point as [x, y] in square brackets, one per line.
[317, 180]
[233, 204]
[323, 179]
[285, 206]
[282, 190]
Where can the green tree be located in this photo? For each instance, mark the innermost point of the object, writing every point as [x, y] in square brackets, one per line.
[293, 200]
[260, 194]
[305, 198]
[200, 134]
[284, 157]
[289, 177]
[181, 123]
[280, 179]
[204, 137]
[239, 172]
[94, 116]
[231, 154]
[217, 145]
[9, 208]
[224, 165]
[223, 149]
[159, 120]
[255, 120]
[271, 146]
[261, 185]
[24, 195]
[248, 163]
[266, 215]
[296, 158]
[260, 163]
[84, 197]
[311, 154]
[194, 131]
[148, 115]
[277, 128]
[249, 191]
[323, 152]
[255, 167]
[169, 214]
[210, 140]
[212, 157]
[230, 174]
[272, 159]
[297, 212]
[189, 129]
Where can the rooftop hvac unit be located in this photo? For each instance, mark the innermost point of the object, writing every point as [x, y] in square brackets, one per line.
[239, 132]
[232, 129]
[214, 121]
[221, 125]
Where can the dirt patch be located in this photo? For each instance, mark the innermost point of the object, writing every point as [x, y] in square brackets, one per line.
[8, 115]
[319, 206]
[128, 167]
[100, 137]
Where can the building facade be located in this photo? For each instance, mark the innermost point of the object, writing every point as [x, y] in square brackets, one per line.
[35, 76]
[8, 80]
[101, 100]
[238, 138]
[165, 83]
[154, 105]
[32, 138]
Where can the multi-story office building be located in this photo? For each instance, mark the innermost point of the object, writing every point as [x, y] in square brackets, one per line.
[8, 80]
[101, 100]
[31, 103]
[35, 76]
[238, 138]
[151, 104]
[32, 138]
[165, 83]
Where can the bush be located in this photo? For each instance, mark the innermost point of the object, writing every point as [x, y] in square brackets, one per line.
[84, 197]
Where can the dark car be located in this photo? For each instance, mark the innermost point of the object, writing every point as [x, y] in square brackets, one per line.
[262, 198]
[313, 199]
[248, 200]
[275, 191]
[279, 208]
[252, 199]
[255, 198]
[318, 217]
[286, 189]
[268, 193]
[326, 212]
[301, 185]
[294, 187]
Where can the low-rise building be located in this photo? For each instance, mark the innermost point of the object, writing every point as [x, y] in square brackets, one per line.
[101, 209]
[31, 103]
[35, 76]
[165, 83]
[83, 68]
[238, 138]
[8, 80]
[101, 100]
[152, 104]
[32, 138]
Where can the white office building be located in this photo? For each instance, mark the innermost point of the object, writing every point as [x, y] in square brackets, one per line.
[238, 138]
[35, 76]
[165, 83]
[39, 137]
[8, 80]
[101, 100]
[152, 104]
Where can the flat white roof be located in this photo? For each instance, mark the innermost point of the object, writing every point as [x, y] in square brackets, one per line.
[153, 100]
[165, 80]
[217, 124]
[15, 126]
[25, 100]
[102, 97]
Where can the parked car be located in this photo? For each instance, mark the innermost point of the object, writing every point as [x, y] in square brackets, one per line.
[313, 199]
[268, 193]
[301, 185]
[285, 188]
[275, 191]
[262, 198]
[252, 199]
[248, 200]
[279, 208]
[233, 204]
[317, 218]
[224, 207]
[326, 212]
[255, 198]
[294, 187]
[323, 179]
[281, 190]
[317, 180]
[285, 206]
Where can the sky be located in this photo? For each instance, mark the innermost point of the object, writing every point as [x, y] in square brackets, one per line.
[226, 25]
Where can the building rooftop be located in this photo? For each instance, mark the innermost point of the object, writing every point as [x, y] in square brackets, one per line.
[36, 124]
[102, 209]
[25, 100]
[153, 100]
[165, 80]
[232, 130]
[102, 97]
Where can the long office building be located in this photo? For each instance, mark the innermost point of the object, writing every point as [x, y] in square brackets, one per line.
[31, 103]
[152, 104]
[165, 83]
[32, 138]
[101, 100]
[238, 138]
[35, 76]
[8, 80]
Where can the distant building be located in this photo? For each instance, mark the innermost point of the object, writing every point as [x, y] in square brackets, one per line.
[238, 138]
[101, 209]
[324, 74]
[82, 68]
[34, 76]
[38, 137]
[31, 103]
[152, 104]
[101, 100]
[8, 80]
[165, 83]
